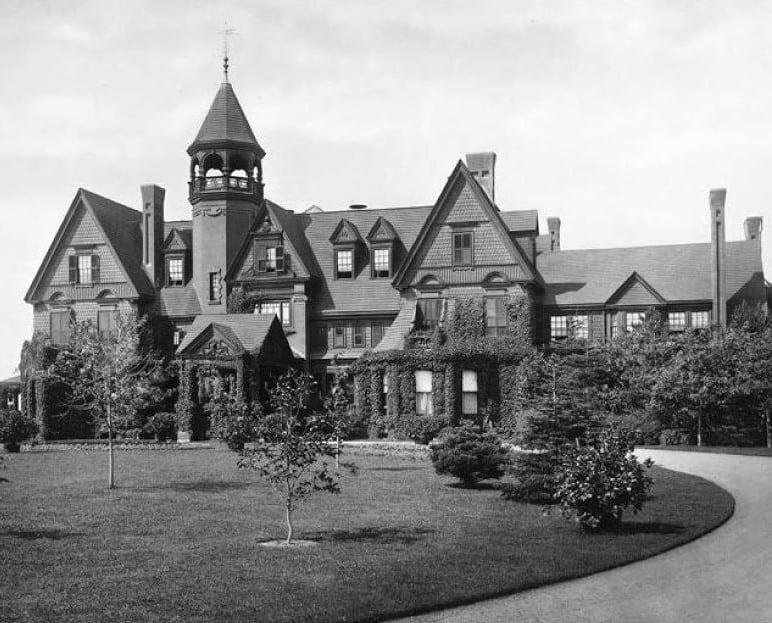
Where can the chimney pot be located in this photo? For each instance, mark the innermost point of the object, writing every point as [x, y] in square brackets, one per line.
[752, 228]
[553, 224]
[482, 166]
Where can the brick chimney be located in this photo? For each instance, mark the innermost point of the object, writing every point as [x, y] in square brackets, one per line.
[483, 167]
[153, 232]
[718, 255]
[752, 228]
[553, 224]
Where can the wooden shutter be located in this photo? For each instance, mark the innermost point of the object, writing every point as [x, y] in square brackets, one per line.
[73, 259]
[94, 268]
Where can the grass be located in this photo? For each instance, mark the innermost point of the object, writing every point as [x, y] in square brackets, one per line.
[754, 451]
[178, 540]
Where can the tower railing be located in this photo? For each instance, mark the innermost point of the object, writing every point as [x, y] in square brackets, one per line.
[223, 183]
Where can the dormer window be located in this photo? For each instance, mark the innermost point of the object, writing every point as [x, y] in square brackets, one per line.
[272, 260]
[462, 248]
[175, 272]
[344, 263]
[381, 262]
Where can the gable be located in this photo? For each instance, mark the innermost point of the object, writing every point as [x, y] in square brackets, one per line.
[175, 242]
[382, 231]
[214, 342]
[80, 234]
[346, 232]
[463, 207]
[636, 291]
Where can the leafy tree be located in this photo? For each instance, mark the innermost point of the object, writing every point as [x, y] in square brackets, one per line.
[109, 377]
[15, 428]
[293, 445]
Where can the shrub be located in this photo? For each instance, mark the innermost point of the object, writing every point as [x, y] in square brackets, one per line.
[535, 478]
[675, 437]
[597, 482]
[469, 454]
[422, 429]
[235, 422]
[162, 425]
[15, 428]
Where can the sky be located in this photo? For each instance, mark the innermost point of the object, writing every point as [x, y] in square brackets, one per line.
[616, 116]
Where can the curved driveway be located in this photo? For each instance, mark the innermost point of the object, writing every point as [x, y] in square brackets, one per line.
[723, 576]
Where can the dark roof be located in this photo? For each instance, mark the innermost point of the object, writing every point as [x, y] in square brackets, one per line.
[676, 272]
[122, 226]
[249, 330]
[178, 225]
[225, 122]
[361, 294]
[178, 302]
[521, 220]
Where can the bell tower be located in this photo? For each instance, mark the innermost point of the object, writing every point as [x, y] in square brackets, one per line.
[225, 191]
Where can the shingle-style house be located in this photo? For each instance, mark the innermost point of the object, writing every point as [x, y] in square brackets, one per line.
[331, 286]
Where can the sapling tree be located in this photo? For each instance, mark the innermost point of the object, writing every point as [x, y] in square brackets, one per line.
[293, 446]
[109, 376]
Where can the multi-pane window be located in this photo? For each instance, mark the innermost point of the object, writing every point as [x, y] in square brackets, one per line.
[270, 259]
[359, 336]
[377, 330]
[339, 336]
[177, 337]
[430, 312]
[495, 316]
[469, 392]
[613, 326]
[215, 289]
[381, 262]
[676, 321]
[576, 327]
[558, 327]
[175, 271]
[700, 319]
[107, 322]
[60, 326]
[462, 248]
[423, 392]
[385, 389]
[84, 269]
[280, 308]
[634, 319]
[344, 263]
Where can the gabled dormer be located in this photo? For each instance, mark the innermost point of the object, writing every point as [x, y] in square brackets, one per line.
[176, 251]
[348, 250]
[382, 240]
[268, 257]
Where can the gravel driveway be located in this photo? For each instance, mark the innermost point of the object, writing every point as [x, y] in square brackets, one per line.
[723, 576]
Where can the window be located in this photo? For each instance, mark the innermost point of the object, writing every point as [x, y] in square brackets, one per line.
[107, 322]
[613, 326]
[178, 337]
[84, 269]
[496, 316]
[60, 326]
[430, 313]
[339, 336]
[344, 264]
[359, 336]
[423, 392]
[377, 330]
[700, 320]
[385, 388]
[469, 392]
[272, 260]
[175, 271]
[280, 308]
[579, 327]
[676, 321]
[319, 337]
[462, 249]
[558, 327]
[215, 289]
[633, 320]
[381, 262]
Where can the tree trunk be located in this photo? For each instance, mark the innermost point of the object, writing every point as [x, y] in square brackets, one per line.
[111, 470]
[769, 430]
[337, 453]
[699, 429]
[289, 523]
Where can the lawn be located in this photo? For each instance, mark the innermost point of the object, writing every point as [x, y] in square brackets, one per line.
[179, 540]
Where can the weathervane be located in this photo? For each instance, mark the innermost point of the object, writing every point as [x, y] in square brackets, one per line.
[226, 32]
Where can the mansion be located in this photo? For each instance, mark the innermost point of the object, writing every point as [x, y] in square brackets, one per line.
[251, 285]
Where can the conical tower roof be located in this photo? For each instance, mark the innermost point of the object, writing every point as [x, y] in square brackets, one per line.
[225, 124]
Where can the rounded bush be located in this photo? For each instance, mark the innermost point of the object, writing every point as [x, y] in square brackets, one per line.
[162, 425]
[470, 454]
[15, 428]
[422, 429]
[597, 482]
